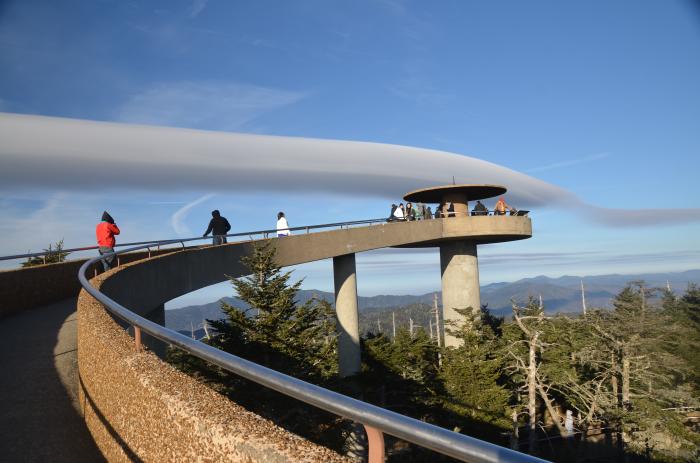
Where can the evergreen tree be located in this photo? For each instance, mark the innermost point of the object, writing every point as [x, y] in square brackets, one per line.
[471, 372]
[639, 342]
[53, 254]
[274, 331]
[684, 311]
[402, 374]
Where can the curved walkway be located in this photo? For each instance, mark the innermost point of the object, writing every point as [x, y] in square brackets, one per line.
[39, 417]
[137, 403]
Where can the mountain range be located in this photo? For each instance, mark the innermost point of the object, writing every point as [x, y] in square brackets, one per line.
[561, 294]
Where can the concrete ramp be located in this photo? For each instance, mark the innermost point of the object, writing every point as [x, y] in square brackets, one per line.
[39, 417]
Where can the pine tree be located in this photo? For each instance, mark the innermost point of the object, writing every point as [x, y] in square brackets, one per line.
[684, 311]
[273, 330]
[403, 370]
[639, 342]
[53, 254]
[472, 372]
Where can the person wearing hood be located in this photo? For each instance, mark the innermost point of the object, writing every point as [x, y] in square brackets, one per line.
[391, 217]
[480, 209]
[105, 232]
[218, 227]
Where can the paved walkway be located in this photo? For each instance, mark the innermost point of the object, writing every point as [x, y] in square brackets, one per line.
[39, 413]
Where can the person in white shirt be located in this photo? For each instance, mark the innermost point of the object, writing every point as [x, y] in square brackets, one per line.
[399, 213]
[282, 225]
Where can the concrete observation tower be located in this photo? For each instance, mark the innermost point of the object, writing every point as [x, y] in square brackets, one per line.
[462, 233]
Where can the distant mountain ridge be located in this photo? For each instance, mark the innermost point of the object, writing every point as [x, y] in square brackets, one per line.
[562, 294]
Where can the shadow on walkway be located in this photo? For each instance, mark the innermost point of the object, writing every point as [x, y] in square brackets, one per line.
[39, 416]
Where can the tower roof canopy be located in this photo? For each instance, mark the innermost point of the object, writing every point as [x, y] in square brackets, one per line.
[437, 194]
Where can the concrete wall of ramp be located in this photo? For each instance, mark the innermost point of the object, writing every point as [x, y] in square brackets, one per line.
[139, 408]
[26, 288]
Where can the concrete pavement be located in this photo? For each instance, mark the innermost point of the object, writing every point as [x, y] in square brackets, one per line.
[40, 419]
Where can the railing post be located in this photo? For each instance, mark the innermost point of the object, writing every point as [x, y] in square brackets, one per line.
[137, 338]
[375, 439]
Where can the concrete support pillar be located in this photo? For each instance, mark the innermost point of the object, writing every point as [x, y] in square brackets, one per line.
[156, 346]
[345, 280]
[459, 203]
[460, 283]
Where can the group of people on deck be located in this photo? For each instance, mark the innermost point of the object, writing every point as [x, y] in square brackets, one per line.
[400, 213]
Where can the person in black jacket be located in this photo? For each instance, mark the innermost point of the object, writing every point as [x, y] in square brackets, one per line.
[480, 209]
[391, 217]
[219, 227]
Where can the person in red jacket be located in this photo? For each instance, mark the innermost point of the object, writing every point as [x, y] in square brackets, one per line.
[105, 239]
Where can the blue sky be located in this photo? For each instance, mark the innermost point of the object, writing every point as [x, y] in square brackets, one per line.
[599, 98]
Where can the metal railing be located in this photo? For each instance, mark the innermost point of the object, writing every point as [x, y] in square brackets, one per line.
[376, 420]
[264, 233]
[487, 212]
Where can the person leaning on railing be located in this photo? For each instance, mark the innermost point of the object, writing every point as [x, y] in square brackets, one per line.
[219, 227]
[444, 210]
[501, 207]
[410, 212]
[420, 211]
[480, 209]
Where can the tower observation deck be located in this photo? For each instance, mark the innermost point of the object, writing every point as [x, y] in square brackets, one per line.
[458, 252]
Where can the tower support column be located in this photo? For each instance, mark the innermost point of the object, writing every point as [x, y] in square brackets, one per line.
[460, 284]
[345, 279]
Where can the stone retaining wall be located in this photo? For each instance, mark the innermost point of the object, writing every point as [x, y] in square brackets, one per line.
[29, 287]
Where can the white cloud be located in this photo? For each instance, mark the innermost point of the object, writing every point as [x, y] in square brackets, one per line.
[203, 104]
[85, 155]
[54, 217]
[178, 218]
[570, 162]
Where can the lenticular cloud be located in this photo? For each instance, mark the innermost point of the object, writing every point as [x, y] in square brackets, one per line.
[71, 154]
